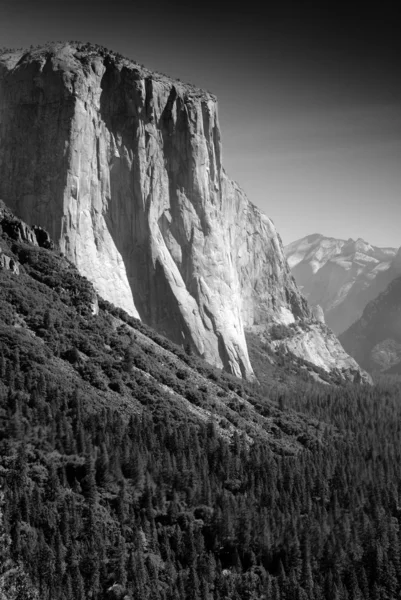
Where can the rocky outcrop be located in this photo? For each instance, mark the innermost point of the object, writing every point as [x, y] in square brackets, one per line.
[342, 276]
[124, 168]
[17, 230]
[8, 263]
[318, 345]
[315, 344]
[14, 230]
[375, 339]
[317, 312]
[20, 231]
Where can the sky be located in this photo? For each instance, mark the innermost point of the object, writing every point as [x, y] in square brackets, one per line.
[309, 95]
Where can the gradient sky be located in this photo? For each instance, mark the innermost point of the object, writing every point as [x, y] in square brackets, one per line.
[309, 95]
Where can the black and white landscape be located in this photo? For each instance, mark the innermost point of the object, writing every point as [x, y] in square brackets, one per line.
[341, 276]
[178, 418]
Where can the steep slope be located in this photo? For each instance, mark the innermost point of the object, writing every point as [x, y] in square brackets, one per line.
[341, 276]
[123, 167]
[52, 314]
[131, 470]
[99, 415]
[375, 339]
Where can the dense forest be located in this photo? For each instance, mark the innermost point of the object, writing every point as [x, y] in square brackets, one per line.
[131, 469]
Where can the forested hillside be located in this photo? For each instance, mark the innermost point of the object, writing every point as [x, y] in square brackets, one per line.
[131, 469]
[375, 339]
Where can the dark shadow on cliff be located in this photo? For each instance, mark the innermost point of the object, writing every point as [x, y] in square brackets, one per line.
[34, 137]
[127, 216]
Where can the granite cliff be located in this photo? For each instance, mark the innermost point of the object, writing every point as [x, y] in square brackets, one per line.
[123, 167]
[342, 276]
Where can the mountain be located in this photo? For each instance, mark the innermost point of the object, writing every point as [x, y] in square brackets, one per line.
[89, 398]
[375, 339]
[56, 320]
[131, 469]
[341, 276]
[124, 168]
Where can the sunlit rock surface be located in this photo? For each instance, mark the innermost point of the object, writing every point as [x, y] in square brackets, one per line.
[124, 168]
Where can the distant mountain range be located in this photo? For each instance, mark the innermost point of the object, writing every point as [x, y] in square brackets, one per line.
[341, 276]
[375, 339]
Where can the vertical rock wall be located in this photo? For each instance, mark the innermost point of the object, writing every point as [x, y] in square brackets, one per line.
[123, 167]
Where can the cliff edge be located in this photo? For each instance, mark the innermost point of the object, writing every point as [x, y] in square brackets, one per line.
[123, 167]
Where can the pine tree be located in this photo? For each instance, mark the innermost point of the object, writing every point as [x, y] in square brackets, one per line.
[15, 584]
[89, 482]
[121, 570]
[193, 588]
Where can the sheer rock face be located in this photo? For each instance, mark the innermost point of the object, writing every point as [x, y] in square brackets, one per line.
[123, 167]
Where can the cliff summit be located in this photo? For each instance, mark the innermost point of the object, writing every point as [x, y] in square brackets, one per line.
[123, 167]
